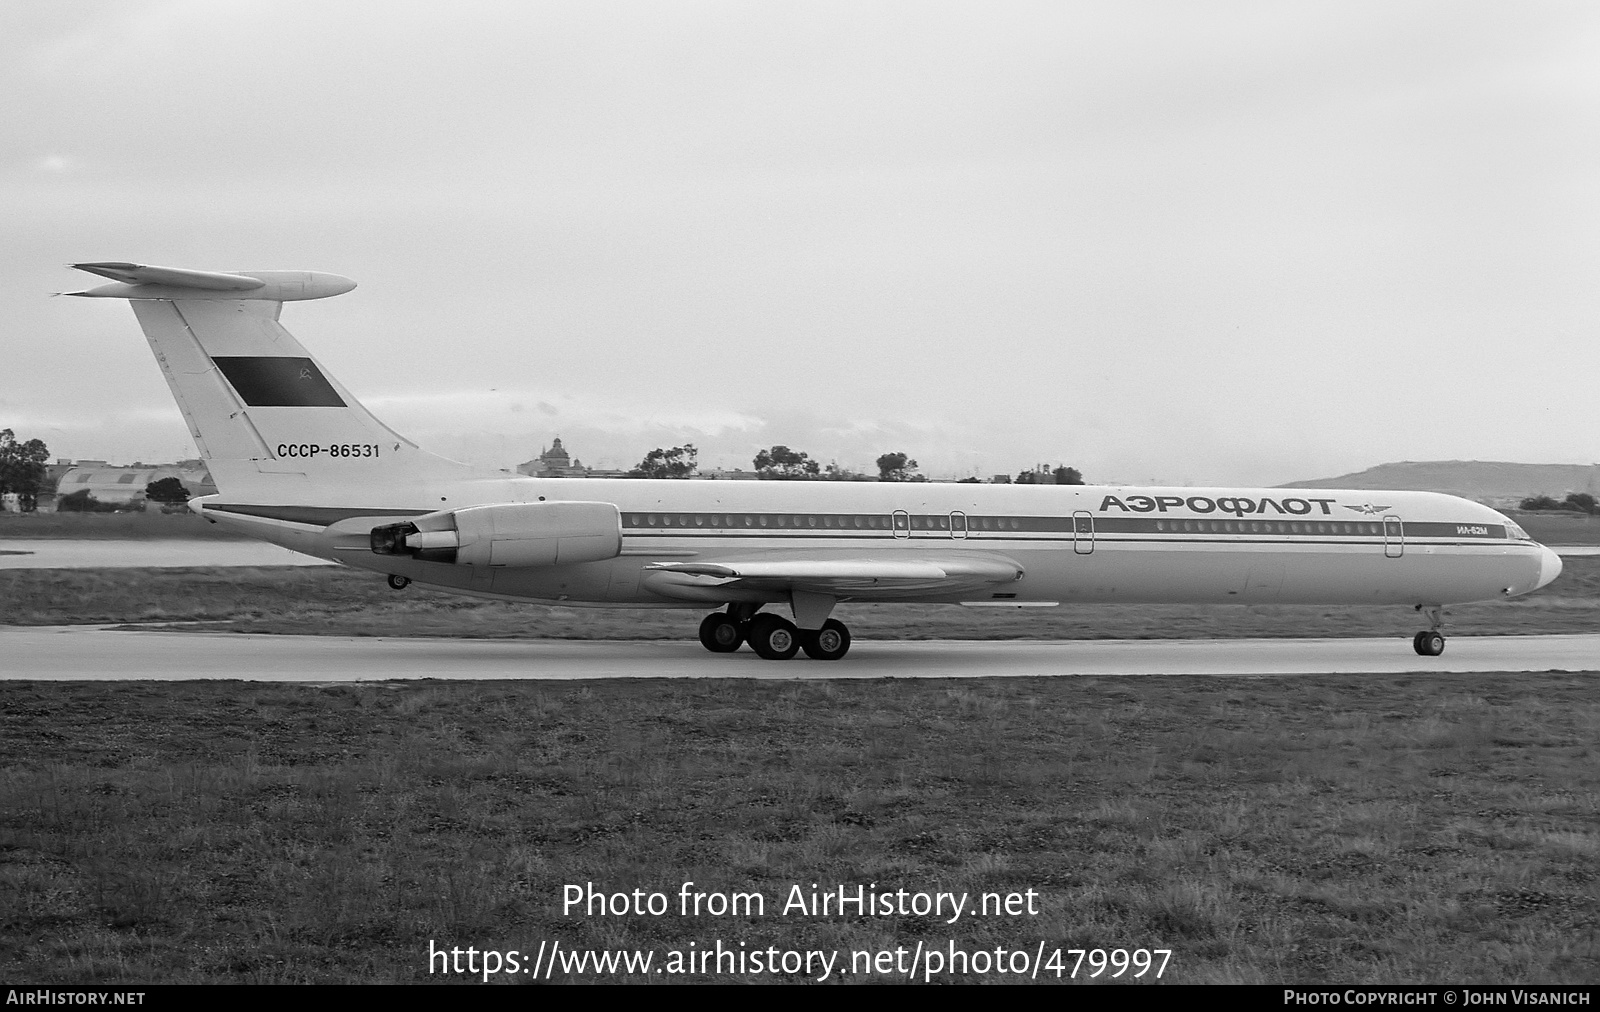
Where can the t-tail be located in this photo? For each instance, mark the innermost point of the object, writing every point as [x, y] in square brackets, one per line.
[265, 414]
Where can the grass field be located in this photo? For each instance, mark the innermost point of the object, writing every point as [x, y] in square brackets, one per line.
[148, 525]
[1559, 528]
[351, 603]
[1314, 829]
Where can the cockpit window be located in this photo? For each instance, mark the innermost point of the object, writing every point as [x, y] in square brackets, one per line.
[1516, 533]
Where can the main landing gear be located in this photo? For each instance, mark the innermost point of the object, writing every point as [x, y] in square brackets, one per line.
[772, 637]
[1430, 641]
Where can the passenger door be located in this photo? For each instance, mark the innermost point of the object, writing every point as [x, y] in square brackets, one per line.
[1394, 537]
[1083, 532]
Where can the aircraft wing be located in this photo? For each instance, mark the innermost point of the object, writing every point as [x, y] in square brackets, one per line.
[858, 578]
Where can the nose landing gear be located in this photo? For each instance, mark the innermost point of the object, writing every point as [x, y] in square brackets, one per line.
[1430, 641]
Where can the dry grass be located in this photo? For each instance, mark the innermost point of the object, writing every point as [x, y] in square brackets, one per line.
[149, 525]
[1559, 528]
[1329, 829]
[351, 603]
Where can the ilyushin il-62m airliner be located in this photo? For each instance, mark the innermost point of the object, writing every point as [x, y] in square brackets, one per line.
[300, 463]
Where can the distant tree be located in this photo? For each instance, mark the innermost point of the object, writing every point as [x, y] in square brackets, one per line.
[678, 462]
[782, 463]
[897, 467]
[1068, 476]
[82, 502]
[1575, 502]
[22, 469]
[167, 491]
[833, 472]
[1026, 478]
[969, 481]
[1581, 501]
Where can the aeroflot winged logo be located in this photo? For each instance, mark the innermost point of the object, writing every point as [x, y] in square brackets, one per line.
[1367, 508]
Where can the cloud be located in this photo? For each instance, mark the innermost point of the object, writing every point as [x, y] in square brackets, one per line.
[469, 409]
[57, 164]
[1144, 240]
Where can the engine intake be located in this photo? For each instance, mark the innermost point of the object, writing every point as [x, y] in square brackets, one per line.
[508, 535]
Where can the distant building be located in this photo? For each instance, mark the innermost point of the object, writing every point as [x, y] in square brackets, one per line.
[109, 483]
[554, 462]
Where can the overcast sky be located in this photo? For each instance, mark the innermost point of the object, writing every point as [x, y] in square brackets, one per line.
[1200, 243]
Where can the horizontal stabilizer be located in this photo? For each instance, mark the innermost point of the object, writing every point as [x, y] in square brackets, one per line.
[139, 274]
[174, 284]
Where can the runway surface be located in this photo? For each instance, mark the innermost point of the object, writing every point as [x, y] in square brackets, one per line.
[95, 653]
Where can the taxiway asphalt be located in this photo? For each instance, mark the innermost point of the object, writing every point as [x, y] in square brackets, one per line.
[95, 653]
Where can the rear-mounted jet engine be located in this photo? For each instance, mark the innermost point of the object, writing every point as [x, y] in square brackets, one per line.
[508, 534]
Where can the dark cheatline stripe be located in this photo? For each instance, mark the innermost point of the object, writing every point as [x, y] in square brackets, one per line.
[858, 525]
[322, 516]
[266, 381]
[922, 525]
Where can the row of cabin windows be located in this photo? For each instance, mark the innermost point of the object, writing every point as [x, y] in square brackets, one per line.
[942, 523]
[864, 522]
[1265, 527]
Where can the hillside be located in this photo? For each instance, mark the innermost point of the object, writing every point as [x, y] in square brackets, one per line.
[1498, 483]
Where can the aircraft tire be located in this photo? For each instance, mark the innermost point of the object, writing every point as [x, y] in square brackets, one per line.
[720, 634]
[1428, 644]
[399, 582]
[829, 643]
[773, 638]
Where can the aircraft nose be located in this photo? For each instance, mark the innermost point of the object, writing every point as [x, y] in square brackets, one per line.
[1549, 567]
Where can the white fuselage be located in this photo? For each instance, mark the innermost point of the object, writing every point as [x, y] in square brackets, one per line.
[1072, 543]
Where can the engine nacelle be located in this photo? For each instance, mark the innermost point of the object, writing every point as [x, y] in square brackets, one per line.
[508, 535]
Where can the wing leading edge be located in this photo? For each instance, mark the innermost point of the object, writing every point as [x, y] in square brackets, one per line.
[862, 578]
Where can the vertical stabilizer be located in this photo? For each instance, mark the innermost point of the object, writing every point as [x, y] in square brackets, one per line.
[264, 413]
